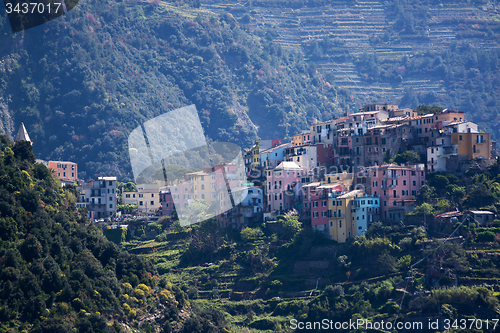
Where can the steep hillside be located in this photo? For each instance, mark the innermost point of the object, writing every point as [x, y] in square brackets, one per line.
[82, 82]
[59, 274]
[405, 51]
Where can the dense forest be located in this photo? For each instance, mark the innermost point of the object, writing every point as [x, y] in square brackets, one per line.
[59, 274]
[82, 82]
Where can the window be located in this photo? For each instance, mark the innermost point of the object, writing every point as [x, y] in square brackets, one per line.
[127, 195]
[460, 137]
[110, 183]
[140, 195]
[203, 195]
[110, 205]
[404, 182]
[110, 199]
[202, 186]
[323, 203]
[340, 224]
[140, 203]
[152, 203]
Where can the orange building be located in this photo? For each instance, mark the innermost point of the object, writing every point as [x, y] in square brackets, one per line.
[65, 171]
[473, 145]
[301, 139]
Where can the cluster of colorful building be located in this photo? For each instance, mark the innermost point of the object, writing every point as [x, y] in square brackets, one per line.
[333, 173]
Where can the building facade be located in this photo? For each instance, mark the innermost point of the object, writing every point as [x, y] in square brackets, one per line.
[100, 197]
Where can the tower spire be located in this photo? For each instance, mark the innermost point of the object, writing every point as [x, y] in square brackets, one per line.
[22, 134]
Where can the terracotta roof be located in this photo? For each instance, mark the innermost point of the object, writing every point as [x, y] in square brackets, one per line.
[330, 185]
[285, 165]
[480, 212]
[349, 194]
[312, 184]
[274, 148]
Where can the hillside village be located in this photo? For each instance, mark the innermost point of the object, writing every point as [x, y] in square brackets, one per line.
[340, 175]
[251, 258]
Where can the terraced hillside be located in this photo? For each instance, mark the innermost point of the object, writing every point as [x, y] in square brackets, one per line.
[370, 27]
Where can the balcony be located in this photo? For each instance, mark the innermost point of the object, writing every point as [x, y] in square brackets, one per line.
[387, 186]
[391, 176]
[450, 150]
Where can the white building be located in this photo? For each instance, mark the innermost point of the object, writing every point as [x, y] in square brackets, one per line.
[100, 197]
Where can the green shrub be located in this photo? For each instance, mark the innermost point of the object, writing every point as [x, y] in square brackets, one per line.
[485, 236]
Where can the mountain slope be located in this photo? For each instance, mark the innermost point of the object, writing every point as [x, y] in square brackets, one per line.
[409, 52]
[81, 83]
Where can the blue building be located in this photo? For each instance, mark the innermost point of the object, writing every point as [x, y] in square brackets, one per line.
[272, 157]
[367, 212]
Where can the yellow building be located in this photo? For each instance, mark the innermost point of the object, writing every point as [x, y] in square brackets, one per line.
[203, 186]
[342, 216]
[472, 145]
[147, 200]
[301, 139]
[343, 178]
[297, 140]
[255, 155]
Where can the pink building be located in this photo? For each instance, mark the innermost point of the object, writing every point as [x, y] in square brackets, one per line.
[167, 203]
[324, 154]
[283, 186]
[397, 187]
[65, 171]
[315, 200]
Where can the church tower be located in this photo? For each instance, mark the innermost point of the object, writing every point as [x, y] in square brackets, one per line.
[22, 134]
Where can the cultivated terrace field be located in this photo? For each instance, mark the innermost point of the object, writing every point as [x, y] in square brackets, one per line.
[405, 51]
